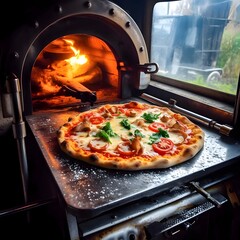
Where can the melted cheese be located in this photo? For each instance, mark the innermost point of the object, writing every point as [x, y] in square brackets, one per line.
[122, 132]
[177, 138]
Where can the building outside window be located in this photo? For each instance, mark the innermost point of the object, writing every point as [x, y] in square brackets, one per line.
[198, 42]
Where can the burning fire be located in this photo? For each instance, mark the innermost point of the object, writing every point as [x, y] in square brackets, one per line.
[78, 58]
[77, 67]
[75, 64]
[77, 61]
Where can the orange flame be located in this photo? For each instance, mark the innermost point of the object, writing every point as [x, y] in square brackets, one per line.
[78, 59]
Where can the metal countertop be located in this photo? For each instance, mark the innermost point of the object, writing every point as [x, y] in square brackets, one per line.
[91, 190]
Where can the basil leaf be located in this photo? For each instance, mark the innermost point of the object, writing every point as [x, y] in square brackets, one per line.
[163, 133]
[125, 123]
[156, 136]
[107, 126]
[150, 117]
[138, 133]
[104, 135]
[108, 129]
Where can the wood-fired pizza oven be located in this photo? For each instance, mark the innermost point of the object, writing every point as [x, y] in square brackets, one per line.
[75, 53]
[72, 56]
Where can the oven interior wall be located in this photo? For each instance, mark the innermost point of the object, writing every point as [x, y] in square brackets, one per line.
[46, 223]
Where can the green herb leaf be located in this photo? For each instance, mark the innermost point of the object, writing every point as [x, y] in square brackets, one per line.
[125, 123]
[138, 133]
[156, 136]
[108, 129]
[106, 132]
[104, 135]
[150, 117]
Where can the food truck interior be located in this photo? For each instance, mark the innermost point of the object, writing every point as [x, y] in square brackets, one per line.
[184, 55]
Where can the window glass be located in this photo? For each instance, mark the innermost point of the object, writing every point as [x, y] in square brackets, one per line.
[198, 42]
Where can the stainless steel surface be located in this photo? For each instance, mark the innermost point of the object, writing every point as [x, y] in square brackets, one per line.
[90, 190]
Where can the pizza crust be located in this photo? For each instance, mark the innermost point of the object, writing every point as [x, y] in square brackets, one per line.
[183, 152]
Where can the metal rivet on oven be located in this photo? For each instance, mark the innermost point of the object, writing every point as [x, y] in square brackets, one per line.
[59, 9]
[111, 11]
[87, 4]
[36, 24]
[16, 54]
[141, 49]
[128, 24]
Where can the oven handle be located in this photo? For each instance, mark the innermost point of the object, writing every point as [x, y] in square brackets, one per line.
[148, 68]
[181, 221]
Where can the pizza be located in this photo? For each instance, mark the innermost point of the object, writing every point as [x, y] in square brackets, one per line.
[130, 136]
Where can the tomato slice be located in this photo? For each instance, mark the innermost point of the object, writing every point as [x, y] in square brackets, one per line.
[88, 115]
[156, 125]
[124, 148]
[96, 120]
[98, 145]
[163, 146]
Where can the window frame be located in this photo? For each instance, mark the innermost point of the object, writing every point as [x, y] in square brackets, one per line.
[221, 107]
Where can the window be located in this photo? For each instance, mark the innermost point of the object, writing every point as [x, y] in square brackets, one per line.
[196, 44]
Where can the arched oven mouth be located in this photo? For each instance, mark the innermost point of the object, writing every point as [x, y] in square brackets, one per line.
[78, 53]
[74, 69]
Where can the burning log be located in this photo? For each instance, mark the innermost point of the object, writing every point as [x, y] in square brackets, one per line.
[47, 82]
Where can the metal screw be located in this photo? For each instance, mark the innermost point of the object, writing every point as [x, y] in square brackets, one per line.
[141, 49]
[88, 4]
[111, 11]
[59, 9]
[16, 55]
[36, 24]
[128, 24]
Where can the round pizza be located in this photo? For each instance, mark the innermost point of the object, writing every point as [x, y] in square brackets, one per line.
[131, 136]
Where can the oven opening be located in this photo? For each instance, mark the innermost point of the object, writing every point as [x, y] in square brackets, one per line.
[74, 69]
